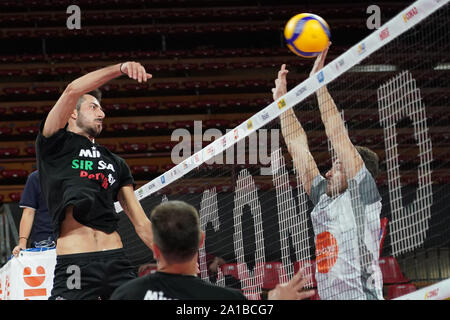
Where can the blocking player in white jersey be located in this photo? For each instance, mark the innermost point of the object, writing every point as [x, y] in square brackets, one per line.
[347, 204]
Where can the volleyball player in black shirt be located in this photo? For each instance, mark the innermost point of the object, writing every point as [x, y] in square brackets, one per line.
[81, 180]
[177, 238]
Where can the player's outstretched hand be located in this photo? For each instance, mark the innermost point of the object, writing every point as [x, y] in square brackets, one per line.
[292, 290]
[280, 83]
[135, 70]
[320, 60]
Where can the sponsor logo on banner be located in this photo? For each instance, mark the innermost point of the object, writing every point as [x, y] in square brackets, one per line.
[384, 33]
[224, 142]
[410, 14]
[196, 158]
[320, 77]
[431, 294]
[163, 179]
[281, 104]
[210, 150]
[249, 125]
[265, 116]
[140, 192]
[339, 63]
[300, 91]
[361, 48]
[236, 134]
[150, 186]
[34, 279]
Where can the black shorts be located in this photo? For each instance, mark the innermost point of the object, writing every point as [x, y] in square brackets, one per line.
[92, 275]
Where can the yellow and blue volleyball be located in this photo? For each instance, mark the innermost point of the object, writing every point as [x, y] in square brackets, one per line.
[307, 34]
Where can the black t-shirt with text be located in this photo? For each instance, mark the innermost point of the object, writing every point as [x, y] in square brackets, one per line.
[75, 171]
[167, 286]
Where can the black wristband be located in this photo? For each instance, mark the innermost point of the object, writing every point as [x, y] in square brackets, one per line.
[120, 68]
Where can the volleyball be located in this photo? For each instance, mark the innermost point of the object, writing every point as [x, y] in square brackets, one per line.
[307, 34]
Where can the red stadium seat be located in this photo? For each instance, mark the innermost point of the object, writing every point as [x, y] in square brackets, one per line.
[24, 110]
[135, 86]
[5, 131]
[186, 124]
[123, 127]
[398, 290]
[157, 125]
[28, 130]
[390, 269]
[236, 102]
[163, 146]
[196, 84]
[134, 147]
[242, 65]
[217, 123]
[68, 70]
[9, 152]
[230, 269]
[116, 106]
[11, 72]
[220, 84]
[213, 66]
[30, 151]
[110, 87]
[14, 173]
[15, 196]
[308, 267]
[110, 147]
[15, 90]
[46, 89]
[274, 274]
[38, 71]
[137, 169]
[150, 105]
[166, 85]
[202, 104]
[224, 188]
[177, 105]
[189, 189]
[168, 166]
[184, 66]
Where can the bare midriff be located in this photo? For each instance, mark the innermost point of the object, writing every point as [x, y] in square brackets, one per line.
[77, 238]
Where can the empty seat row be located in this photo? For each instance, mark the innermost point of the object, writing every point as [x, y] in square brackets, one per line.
[91, 31]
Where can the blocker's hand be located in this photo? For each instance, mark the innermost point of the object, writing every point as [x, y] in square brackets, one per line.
[292, 290]
[135, 70]
[320, 60]
[280, 83]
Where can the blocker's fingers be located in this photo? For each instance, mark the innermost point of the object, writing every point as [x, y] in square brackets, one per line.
[141, 72]
[306, 294]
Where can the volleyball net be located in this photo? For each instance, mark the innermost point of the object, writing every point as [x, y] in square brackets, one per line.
[263, 206]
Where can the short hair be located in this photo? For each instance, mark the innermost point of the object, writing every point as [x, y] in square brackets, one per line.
[371, 160]
[176, 230]
[96, 93]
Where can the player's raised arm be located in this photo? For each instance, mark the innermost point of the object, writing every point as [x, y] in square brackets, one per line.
[62, 110]
[295, 136]
[133, 209]
[335, 126]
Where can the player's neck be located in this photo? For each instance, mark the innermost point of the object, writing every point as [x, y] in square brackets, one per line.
[80, 132]
[186, 268]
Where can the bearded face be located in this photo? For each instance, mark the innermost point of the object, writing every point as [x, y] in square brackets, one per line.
[337, 180]
[90, 117]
